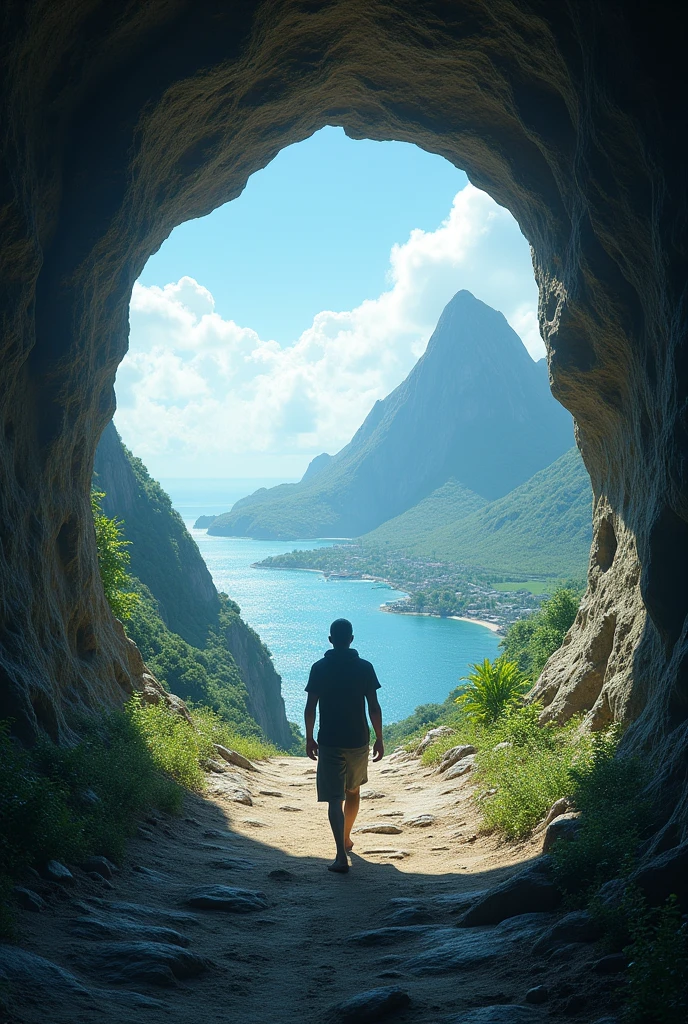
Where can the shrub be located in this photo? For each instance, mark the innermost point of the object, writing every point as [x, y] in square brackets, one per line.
[607, 790]
[536, 769]
[657, 987]
[113, 560]
[175, 748]
[212, 729]
[492, 688]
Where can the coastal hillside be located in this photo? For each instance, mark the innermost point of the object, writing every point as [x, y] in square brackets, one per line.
[193, 638]
[475, 409]
[542, 527]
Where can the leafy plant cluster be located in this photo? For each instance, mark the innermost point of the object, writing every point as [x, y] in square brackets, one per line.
[114, 560]
[531, 642]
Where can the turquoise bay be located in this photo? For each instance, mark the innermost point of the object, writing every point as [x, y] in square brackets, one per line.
[418, 659]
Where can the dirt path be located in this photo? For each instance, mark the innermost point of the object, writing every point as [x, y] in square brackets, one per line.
[293, 956]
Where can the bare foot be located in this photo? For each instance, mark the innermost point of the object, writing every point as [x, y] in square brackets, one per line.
[340, 867]
[349, 845]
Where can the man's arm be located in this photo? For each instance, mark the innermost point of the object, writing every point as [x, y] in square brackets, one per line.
[309, 718]
[375, 712]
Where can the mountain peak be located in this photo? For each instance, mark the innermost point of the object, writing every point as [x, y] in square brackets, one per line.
[474, 408]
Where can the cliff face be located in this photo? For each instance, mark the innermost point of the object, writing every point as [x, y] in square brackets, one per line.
[120, 122]
[475, 408]
[163, 554]
[165, 558]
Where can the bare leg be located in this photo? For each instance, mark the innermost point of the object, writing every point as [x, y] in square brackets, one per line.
[335, 813]
[351, 805]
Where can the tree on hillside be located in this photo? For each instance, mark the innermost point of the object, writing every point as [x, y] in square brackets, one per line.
[531, 642]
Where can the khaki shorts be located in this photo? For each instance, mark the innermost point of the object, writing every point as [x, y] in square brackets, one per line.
[340, 769]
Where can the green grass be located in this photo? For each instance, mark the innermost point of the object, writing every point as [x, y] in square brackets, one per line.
[608, 792]
[532, 586]
[537, 768]
[212, 729]
[139, 758]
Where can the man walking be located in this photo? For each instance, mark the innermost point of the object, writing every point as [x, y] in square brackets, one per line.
[341, 682]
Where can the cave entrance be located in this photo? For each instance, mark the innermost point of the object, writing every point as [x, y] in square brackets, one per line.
[130, 124]
[256, 355]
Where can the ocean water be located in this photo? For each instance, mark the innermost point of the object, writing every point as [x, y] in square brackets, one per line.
[418, 659]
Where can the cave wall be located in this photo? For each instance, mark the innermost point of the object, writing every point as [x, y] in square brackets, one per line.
[121, 120]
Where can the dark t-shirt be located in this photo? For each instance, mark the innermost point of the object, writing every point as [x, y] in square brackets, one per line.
[341, 680]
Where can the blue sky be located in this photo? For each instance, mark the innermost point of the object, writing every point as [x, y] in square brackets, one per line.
[311, 231]
[262, 334]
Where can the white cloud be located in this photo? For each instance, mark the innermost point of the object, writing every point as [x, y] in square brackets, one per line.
[200, 395]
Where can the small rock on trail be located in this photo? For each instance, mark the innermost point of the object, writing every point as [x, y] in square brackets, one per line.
[235, 758]
[503, 1013]
[56, 872]
[383, 829]
[156, 962]
[372, 794]
[226, 898]
[369, 1007]
[421, 820]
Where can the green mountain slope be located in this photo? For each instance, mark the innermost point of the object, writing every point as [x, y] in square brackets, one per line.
[193, 638]
[475, 408]
[542, 527]
[447, 504]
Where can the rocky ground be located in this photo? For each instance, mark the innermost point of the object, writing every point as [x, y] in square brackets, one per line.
[229, 913]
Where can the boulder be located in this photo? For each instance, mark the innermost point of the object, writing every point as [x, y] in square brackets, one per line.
[560, 806]
[613, 963]
[57, 988]
[235, 758]
[455, 754]
[28, 899]
[578, 926]
[562, 828]
[158, 963]
[56, 872]
[528, 891]
[123, 907]
[114, 926]
[226, 898]
[537, 995]
[227, 787]
[369, 1007]
[101, 866]
[421, 820]
[431, 736]
[461, 767]
[452, 949]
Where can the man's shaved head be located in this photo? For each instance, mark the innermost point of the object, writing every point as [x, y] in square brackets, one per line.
[341, 633]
